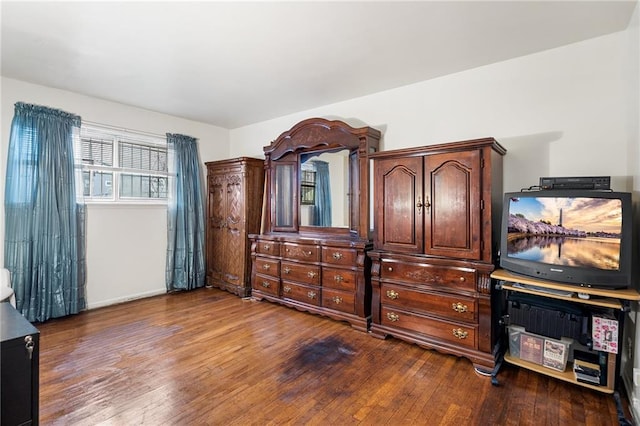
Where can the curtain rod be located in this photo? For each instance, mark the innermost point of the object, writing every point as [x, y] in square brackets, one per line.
[124, 129]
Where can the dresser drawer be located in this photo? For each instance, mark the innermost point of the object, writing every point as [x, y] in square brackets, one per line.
[304, 273]
[339, 300]
[267, 266]
[432, 275]
[460, 308]
[341, 279]
[305, 252]
[268, 247]
[266, 284]
[301, 293]
[339, 256]
[449, 331]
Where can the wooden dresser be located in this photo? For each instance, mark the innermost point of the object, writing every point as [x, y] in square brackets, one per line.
[234, 189]
[318, 268]
[434, 248]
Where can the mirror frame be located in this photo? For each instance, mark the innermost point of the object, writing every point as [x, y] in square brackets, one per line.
[319, 135]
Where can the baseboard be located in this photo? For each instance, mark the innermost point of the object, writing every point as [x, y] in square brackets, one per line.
[127, 298]
[632, 394]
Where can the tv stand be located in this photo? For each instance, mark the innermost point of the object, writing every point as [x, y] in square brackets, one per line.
[616, 300]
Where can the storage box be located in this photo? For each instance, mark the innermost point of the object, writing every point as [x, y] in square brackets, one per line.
[541, 350]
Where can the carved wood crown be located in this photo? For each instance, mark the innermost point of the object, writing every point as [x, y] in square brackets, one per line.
[319, 133]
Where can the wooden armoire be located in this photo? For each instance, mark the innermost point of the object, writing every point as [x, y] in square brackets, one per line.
[234, 205]
[437, 211]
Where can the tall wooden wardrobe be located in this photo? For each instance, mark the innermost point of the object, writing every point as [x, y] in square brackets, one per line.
[234, 192]
[436, 208]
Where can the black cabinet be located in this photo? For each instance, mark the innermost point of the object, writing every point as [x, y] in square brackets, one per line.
[19, 355]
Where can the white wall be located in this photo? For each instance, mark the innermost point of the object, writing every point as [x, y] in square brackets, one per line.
[126, 245]
[559, 112]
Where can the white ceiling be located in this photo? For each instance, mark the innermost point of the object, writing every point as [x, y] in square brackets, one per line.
[236, 63]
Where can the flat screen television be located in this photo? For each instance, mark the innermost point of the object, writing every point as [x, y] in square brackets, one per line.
[580, 237]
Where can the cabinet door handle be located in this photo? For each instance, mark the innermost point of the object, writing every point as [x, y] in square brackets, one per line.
[459, 307]
[460, 333]
[393, 317]
[426, 204]
[29, 344]
[392, 294]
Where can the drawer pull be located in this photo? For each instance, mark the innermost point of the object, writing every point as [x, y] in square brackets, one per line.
[311, 295]
[392, 294]
[308, 253]
[311, 274]
[266, 284]
[460, 333]
[287, 289]
[266, 247]
[459, 307]
[393, 317]
[266, 267]
[286, 269]
[338, 278]
[390, 269]
[337, 300]
[462, 279]
[337, 255]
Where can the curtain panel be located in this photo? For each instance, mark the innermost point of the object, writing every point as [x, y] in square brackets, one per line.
[45, 223]
[322, 214]
[185, 269]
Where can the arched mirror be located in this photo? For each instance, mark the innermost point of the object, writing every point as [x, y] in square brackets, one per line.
[318, 179]
[324, 189]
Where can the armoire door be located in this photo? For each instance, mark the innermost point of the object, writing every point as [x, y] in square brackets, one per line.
[399, 191]
[235, 237]
[216, 251]
[452, 204]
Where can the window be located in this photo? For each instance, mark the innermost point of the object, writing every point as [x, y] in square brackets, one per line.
[122, 166]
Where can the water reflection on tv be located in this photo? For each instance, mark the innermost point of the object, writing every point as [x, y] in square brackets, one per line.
[582, 232]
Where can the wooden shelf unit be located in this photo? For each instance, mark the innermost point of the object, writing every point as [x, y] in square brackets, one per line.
[603, 298]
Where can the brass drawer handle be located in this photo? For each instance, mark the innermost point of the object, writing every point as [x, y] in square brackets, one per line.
[459, 307]
[462, 279]
[266, 284]
[390, 269]
[337, 300]
[393, 317]
[337, 256]
[460, 333]
[392, 294]
[266, 266]
[286, 269]
[338, 278]
[308, 253]
[311, 295]
[311, 274]
[266, 247]
[287, 289]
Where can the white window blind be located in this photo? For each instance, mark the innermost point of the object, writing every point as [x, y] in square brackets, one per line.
[123, 165]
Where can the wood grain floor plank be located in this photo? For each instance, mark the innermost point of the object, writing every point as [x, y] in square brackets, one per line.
[208, 357]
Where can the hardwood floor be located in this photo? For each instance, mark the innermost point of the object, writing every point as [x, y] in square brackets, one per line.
[209, 357]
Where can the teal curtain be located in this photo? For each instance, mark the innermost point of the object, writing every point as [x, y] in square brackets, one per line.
[322, 214]
[44, 246]
[186, 239]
